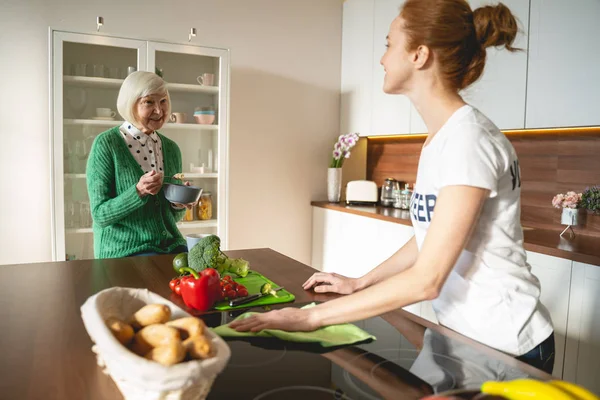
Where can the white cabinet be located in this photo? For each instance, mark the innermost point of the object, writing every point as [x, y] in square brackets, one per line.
[357, 68]
[582, 358]
[352, 245]
[501, 90]
[87, 72]
[563, 88]
[390, 112]
[555, 277]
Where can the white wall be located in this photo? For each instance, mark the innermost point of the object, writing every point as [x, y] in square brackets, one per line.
[285, 78]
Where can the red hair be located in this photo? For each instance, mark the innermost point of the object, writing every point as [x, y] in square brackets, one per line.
[458, 36]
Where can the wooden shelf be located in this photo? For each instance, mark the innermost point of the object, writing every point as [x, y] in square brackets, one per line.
[211, 223]
[93, 122]
[180, 87]
[167, 126]
[189, 127]
[89, 81]
[79, 230]
[194, 175]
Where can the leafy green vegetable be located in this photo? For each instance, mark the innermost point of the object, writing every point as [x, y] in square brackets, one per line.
[267, 288]
[205, 253]
[240, 267]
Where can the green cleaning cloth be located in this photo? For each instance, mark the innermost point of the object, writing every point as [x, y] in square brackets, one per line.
[328, 336]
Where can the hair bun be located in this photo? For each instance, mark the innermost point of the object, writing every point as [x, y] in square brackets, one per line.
[495, 26]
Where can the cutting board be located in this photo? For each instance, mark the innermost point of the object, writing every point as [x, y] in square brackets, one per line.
[253, 281]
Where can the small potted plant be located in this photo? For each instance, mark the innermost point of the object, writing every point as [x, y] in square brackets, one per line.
[570, 203]
[341, 151]
[590, 199]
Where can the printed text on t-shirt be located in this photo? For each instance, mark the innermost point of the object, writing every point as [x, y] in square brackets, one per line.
[422, 206]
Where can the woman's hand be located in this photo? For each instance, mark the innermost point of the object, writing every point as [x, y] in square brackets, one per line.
[149, 183]
[325, 282]
[286, 319]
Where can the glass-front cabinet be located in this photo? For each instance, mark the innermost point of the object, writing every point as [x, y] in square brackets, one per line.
[87, 73]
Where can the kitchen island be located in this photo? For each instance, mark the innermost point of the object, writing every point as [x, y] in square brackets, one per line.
[46, 352]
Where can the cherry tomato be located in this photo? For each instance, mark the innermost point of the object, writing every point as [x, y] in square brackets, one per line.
[228, 278]
[178, 290]
[231, 294]
[241, 287]
[242, 292]
[174, 284]
[228, 288]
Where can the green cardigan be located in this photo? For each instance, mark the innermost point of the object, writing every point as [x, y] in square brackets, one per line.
[124, 223]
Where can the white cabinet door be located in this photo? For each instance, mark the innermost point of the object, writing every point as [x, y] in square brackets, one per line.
[352, 245]
[582, 357]
[357, 68]
[501, 91]
[555, 276]
[199, 144]
[390, 112]
[563, 88]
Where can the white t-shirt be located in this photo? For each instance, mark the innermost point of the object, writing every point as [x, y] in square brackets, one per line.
[491, 295]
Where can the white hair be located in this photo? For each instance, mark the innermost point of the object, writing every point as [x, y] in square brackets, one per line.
[137, 85]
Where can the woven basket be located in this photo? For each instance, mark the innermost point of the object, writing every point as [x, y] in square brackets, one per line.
[136, 377]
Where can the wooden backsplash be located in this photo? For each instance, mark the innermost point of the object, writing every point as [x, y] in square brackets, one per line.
[551, 162]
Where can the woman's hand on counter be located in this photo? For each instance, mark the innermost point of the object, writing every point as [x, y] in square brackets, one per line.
[287, 319]
[325, 282]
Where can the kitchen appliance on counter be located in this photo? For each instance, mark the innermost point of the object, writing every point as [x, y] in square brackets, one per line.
[389, 192]
[361, 193]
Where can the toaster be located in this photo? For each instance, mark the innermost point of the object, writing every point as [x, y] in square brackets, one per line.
[361, 192]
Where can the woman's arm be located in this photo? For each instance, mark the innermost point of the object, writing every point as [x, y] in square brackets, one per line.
[106, 206]
[456, 213]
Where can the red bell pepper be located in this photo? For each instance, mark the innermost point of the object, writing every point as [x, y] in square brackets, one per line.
[199, 292]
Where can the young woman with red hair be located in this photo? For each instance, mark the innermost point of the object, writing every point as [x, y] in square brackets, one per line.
[467, 254]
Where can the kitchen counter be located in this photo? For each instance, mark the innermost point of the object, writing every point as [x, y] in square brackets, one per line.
[585, 249]
[46, 352]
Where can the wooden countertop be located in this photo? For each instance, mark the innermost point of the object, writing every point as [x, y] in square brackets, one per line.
[46, 351]
[585, 249]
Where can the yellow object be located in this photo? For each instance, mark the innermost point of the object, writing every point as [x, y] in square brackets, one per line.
[522, 389]
[205, 206]
[189, 214]
[575, 390]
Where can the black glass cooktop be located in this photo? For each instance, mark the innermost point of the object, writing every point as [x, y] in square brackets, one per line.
[407, 361]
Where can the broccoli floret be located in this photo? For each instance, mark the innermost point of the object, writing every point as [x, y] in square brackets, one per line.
[205, 253]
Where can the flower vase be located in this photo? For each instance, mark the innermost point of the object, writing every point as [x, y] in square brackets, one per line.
[570, 216]
[334, 184]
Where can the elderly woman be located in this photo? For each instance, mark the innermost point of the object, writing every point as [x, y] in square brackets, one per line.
[125, 173]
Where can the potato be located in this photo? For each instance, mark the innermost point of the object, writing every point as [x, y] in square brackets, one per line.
[153, 336]
[167, 354]
[198, 347]
[151, 314]
[188, 327]
[122, 330]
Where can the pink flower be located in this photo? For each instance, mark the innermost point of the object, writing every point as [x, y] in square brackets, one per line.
[571, 200]
[558, 200]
